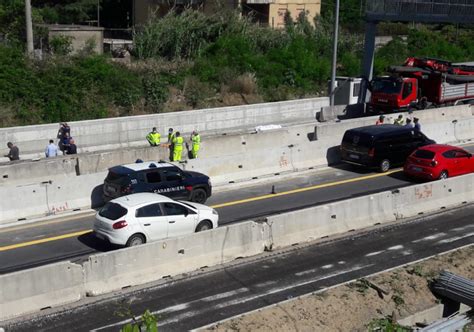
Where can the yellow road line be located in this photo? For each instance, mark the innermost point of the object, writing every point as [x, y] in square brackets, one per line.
[294, 191]
[49, 239]
[247, 200]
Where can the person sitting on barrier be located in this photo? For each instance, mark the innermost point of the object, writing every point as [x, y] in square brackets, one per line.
[51, 149]
[72, 148]
[153, 137]
[14, 153]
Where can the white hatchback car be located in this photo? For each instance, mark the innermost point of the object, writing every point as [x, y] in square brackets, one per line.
[138, 218]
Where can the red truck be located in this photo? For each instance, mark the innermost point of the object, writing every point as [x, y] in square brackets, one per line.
[422, 83]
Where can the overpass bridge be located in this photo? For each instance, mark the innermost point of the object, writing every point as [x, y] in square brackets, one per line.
[420, 11]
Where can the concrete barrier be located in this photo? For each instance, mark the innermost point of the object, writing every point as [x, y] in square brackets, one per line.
[34, 289]
[325, 220]
[94, 135]
[50, 197]
[362, 212]
[134, 266]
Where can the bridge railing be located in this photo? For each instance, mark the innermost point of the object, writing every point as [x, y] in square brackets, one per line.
[456, 11]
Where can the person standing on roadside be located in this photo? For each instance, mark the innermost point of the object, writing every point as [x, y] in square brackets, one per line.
[416, 121]
[153, 137]
[65, 143]
[171, 136]
[177, 147]
[64, 130]
[408, 123]
[14, 153]
[380, 120]
[195, 144]
[51, 150]
[399, 121]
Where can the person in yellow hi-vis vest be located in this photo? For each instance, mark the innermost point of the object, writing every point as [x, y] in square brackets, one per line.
[154, 137]
[177, 146]
[196, 142]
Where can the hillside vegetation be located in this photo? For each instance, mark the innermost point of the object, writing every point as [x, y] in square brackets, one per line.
[190, 60]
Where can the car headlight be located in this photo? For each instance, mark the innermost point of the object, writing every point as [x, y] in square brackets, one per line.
[214, 212]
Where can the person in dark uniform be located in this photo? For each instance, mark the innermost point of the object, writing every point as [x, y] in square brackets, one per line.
[14, 153]
[72, 148]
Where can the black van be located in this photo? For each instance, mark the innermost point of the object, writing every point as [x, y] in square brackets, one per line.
[381, 146]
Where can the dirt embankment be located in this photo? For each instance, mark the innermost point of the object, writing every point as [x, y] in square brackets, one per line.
[354, 306]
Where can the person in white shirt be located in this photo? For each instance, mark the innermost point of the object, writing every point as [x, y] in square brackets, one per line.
[51, 149]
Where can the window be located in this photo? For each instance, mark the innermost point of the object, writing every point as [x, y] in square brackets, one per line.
[407, 89]
[449, 154]
[424, 154]
[173, 209]
[152, 210]
[461, 154]
[355, 90]
[173, 175]
[112, 211]
[153, 177]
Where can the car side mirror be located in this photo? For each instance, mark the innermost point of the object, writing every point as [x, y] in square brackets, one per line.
[469, 155]
[186, 213]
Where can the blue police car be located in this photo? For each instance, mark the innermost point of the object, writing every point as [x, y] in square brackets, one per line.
[158, 177]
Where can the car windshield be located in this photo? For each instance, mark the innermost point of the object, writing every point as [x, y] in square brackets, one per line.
[112, 211]
[424, 154]
[387, 86]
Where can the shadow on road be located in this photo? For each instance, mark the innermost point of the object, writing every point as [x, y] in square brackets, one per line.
[93, 242]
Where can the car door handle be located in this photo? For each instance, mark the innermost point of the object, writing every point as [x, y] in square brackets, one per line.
[172, 221]
[146, 224]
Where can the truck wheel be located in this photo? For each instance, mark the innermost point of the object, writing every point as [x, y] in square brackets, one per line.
[199, 195]
[384, 165]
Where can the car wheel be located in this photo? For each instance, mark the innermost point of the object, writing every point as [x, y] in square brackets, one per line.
[384, 165]
[199, 195]
[443, 175]
[204, 226]
[135, 240]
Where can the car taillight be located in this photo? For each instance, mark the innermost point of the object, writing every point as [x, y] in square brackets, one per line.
[189, 188]
[127, 189]
[371, 152]
[120, 224]
[434, 163]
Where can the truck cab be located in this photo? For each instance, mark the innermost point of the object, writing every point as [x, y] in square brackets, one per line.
[392, 94]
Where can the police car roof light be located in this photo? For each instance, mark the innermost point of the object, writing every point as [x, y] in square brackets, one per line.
[152, 165]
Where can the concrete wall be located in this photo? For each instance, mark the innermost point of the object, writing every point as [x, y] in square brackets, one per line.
[56, 284]
[95, 135]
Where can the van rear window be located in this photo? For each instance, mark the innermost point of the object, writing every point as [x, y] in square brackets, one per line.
[112, 211]
[355, 138]
[114, 177]
[424, 154]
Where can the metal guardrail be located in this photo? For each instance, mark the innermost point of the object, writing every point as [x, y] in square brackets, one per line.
[453, 11]
[454, 287]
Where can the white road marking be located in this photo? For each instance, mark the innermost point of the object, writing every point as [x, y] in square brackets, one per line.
[341, 262]
[282, 289]
[429, 238]
[460, 229]
[327, 266]
[179, 307]
[407, 252]
[302, 273]
[452, 239]
[374, 253]
[397, 247]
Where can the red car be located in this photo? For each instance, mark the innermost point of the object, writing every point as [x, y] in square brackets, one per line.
[438, 161]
